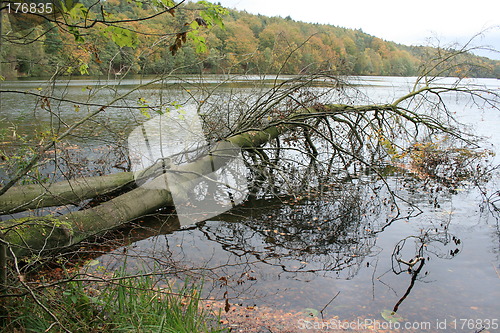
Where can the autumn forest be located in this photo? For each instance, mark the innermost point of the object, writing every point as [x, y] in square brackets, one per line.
[245, 43]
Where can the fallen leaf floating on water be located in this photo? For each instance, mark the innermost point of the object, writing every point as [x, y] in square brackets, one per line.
[310, 312]
[391, 316]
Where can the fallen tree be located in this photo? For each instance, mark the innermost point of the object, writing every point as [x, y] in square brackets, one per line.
[33, 235]
[37, 235]
[291, 136]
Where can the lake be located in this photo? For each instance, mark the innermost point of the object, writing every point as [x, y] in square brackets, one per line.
[340, 255]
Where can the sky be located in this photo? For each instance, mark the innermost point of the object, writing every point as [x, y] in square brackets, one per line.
[422, 22]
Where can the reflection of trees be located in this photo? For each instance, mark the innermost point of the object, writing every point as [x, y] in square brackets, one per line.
[491, 205]
[322, 235]
[411, 253]
[291, 237]
[250, 251]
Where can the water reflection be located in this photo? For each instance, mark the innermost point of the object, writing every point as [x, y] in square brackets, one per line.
[300, 252]
[322, 235]
[430, 242]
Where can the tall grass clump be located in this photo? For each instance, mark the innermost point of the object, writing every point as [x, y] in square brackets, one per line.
[121, 304]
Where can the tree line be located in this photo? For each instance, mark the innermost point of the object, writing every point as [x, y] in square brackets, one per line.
[247, 43]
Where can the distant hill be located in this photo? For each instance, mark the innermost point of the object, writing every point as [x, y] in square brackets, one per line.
[249, 44]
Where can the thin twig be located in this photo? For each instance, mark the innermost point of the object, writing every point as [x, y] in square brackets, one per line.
[35, 298]
[334, 297]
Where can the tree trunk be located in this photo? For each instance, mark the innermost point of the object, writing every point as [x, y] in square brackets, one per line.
[25, 197]
[37, 235]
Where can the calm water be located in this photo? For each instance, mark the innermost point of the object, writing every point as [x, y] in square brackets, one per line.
[338, 253]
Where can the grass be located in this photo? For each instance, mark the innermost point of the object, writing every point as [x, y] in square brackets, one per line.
[123, 304]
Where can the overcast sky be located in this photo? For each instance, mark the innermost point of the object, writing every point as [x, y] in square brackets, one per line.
[406, 22]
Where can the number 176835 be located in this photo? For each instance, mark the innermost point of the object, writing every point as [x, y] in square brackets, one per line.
[30, 8]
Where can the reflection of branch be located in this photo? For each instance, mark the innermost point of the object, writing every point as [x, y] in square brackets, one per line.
[412, 283]
[496, 270]
[412, 262]
[334, 297]
[282, 242]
